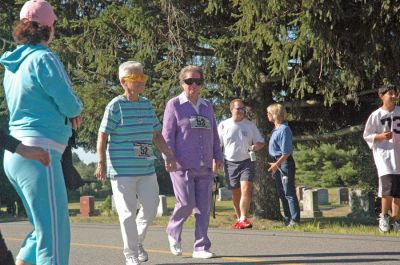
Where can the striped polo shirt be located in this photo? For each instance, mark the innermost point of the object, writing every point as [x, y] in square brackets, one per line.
[129, 124]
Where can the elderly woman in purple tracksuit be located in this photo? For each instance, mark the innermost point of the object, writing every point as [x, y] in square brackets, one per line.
[190, 130]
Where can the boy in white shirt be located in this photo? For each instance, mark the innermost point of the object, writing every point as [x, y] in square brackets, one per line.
[382, 134]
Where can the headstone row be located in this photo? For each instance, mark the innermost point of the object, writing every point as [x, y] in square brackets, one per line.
[323, 197]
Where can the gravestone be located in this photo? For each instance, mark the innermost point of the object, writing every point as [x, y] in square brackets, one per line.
[86, 206]
[310, 204]
[342, 195]
[323, 197]
[361, 203]
[162, 209]
[299, 192]
[113, 208]
[224, 194]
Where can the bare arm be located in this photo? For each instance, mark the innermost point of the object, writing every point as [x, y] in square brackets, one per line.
[257, 146]
[76, 122]
[159, 141]
[34, 153]
[101, 153]
[385, 136]
[274, 166]
[31, 152]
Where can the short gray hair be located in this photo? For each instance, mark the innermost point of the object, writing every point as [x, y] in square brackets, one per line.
[128, 68]
[190, 68]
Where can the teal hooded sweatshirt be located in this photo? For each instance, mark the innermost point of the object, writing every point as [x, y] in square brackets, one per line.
[38, 93]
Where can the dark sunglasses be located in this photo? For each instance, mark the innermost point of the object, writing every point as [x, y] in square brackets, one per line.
[190, 81]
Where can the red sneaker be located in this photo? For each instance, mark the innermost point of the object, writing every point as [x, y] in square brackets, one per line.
[235, 225]
[244, 224]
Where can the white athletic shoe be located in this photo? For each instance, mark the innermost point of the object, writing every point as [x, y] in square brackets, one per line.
[142, 254]
[175, 246]
[132, 261]
[384, 225]
[203, 254]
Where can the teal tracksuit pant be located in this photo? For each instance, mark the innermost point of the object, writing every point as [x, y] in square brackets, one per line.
[44, 196]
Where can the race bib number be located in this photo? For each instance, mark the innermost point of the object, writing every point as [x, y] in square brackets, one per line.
[393, 123]
[199, 122]
[143, 150]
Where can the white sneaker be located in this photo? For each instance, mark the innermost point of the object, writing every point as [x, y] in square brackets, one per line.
[175, 246]
[142, 254]
[396, 226]
[132, 261]
[384, 220]
[293, 223]
[203, 254]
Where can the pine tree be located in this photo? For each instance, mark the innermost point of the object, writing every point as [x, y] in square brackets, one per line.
[323, 59]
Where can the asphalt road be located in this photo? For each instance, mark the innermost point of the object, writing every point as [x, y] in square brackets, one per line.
[100, 244]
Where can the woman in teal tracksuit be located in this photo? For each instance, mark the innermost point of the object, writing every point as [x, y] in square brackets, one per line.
[42, 108]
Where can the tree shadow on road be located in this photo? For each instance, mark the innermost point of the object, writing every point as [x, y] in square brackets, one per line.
[317, 258]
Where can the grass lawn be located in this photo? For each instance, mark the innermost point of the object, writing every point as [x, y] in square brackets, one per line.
[334, 220]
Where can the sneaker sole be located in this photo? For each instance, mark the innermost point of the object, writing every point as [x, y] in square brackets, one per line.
[382, 231]
[244, 227]
[198, 257]
[176, 253]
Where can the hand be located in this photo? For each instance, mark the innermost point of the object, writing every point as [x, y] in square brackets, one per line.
[170, 164]
[387, 135]
[76, 122]
[101, 171]
[217, 166]
[35, 153]
[273, 167]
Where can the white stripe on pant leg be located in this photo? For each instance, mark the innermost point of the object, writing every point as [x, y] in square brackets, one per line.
[53, 215]
[48, 176]
[56, 225]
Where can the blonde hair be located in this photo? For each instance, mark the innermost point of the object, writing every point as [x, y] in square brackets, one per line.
[278, 112]
[128, 68]
[190, 68]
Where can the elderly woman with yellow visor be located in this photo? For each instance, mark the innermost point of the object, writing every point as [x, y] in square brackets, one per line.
[124, 147]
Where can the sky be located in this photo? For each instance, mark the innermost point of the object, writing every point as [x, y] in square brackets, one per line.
[86, 157]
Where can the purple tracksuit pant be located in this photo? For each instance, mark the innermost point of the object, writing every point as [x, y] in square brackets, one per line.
[192, 190]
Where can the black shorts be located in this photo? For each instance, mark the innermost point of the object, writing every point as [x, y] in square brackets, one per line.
[389, 185]
[239, 171]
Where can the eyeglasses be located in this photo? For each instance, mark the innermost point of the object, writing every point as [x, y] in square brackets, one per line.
[243, 108]
[136, 78]
[190, 81]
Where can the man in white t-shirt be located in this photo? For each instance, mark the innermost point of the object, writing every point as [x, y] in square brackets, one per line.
[382, 134]
[238, 137]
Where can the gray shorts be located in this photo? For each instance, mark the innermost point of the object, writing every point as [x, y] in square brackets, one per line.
[239, 171]
[389, 185]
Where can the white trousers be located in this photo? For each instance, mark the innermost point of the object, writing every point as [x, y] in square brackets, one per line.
[126, 191]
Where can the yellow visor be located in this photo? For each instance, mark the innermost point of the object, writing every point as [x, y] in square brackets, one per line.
[136, 78]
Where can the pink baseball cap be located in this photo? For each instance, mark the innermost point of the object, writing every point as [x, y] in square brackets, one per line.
[39, 11]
